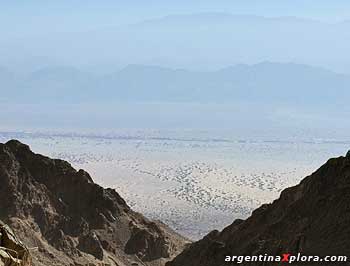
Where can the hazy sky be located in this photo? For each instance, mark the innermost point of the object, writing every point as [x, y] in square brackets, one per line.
[35, 16]
[39, 33]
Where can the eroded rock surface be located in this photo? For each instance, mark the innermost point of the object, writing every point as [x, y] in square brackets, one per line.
[312, 218]
[72, 220]
[12, 251]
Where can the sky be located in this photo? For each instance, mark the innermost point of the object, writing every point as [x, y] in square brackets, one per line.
[37, 34]
[39, 16]
[88, 34]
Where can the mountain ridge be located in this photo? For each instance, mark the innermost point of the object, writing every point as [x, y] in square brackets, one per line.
[311, 218]
[72, 220]
[224, 17]
[266, 82]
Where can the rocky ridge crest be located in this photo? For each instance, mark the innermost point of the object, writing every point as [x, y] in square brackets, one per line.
[73, 221]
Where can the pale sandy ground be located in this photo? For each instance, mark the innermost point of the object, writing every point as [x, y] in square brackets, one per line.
[194, 185]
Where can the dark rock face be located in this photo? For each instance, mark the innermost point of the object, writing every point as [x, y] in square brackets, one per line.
[148, 244]
[91, 245]
[312, 218]
[71, 219]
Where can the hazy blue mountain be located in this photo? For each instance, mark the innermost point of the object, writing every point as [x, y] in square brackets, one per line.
[5, 73]
[204, 41]
[211, 19]
[292, 83]
[7, 82]
[56, 83]
[152, 83]
[261, 84]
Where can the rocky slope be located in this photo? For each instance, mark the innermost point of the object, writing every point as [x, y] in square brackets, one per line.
[12, 251]
[73, 221]
[312, 218]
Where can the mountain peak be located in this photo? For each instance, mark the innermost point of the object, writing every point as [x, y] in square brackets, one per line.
[17, 145]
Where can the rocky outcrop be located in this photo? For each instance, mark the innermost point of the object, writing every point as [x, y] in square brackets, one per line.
[149, 245]
[312, 218]
[12, 251]
[72, 220]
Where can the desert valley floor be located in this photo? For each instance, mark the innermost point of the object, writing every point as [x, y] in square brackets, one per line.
[190, 180]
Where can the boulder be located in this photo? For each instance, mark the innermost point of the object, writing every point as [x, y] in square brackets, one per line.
[12, 251]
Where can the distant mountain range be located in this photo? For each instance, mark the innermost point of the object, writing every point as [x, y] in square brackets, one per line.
[261, 83]
[212, 19]
[203, 41]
